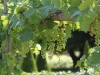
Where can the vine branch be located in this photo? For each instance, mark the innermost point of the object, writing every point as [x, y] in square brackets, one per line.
[61, 17]
[5, 11]
[7, 44]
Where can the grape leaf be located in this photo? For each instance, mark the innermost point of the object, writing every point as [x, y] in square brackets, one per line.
[85, 4]
[74, 3]
[50, 24]
[17, 21]
[93, 59]
[26, 34]
[57, 3]
[76, 13]
[42, 28]
[36, 51]
[29, 13]
[46, 2]
[81, 61]
[68, 31]
[44, 11]
[86, 20]
[5, 24]
[17, 72]
[3, 17]
[33, 19]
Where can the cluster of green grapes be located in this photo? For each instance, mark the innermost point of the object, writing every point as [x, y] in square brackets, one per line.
[96, 30]
[53, 39]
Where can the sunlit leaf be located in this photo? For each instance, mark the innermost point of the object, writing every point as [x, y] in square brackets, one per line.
[5, 24]
[16, 10]
[85, 4]
[36, 51]
[3, 17]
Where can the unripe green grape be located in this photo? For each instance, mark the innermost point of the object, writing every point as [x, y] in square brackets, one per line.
[96, 30]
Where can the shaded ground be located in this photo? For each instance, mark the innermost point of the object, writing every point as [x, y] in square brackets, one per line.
[65, 69]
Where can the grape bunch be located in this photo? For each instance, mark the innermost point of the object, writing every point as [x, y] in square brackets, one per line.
[96, 30]
[52, 39]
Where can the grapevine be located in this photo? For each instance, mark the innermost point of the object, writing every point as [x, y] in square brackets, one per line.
[96, 30]
[32, 22]
[96, 25]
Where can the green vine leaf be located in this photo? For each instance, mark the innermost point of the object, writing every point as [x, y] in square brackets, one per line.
[17, 21]
[76, 13]
[80, 63]
[93, 59]
[50, 24]
[68, 31]
[5, 24]
[44, 11]
[17, 72]
[46, 2]
[74, 3]
[29, 12]
[3, 17]
[57, 3]
[26, 34]
[86, 20]
[34, 19]
[42, 28]
[85, 4]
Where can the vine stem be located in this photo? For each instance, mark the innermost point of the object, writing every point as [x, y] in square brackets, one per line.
[7, 43]
[61, 17]
[5, 11]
